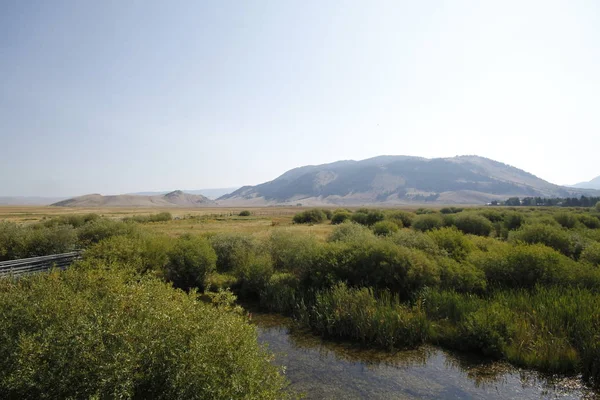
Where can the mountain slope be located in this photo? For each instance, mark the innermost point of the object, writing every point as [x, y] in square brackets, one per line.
[397, 180]
[172, 199]
[593, 184]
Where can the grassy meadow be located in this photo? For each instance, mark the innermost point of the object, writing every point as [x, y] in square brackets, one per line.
[519, 284]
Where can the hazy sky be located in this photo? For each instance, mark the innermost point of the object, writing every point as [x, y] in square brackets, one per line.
[123, 96]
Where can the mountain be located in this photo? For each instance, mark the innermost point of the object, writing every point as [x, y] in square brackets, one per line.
[172, 199]
[210, 193]
[593, 184]
[400, 180]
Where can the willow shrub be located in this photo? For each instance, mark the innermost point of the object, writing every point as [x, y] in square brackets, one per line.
[233, 250]
[473, 223]
[38, 240]
[427, 222]
[191, 260]
[358, 314]
[92, 334]
[551, 236]
[456, 244]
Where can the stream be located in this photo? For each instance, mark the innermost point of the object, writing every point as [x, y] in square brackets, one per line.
[328, 370]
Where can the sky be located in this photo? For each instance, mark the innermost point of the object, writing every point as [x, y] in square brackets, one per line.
[123, 96]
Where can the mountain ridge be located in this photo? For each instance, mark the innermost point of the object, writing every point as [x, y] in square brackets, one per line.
[400, 180]
[591, 184]
[176, 198]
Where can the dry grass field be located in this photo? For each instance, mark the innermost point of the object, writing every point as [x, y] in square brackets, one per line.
[261, 222]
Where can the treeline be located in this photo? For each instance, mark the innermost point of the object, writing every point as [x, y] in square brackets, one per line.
[582, 201]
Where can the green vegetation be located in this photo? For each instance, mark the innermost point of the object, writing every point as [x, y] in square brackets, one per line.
[84, 333]
[314, 216]
[160, 217]
[244, 213]
[518, 284]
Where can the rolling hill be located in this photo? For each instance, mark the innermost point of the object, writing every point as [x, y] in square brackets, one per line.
[400, 180]
[172, 199]
[593, 184]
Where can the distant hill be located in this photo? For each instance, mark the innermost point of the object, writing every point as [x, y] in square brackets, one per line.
[172, 199]
[210, 193]
[400, 180]
[593, 184]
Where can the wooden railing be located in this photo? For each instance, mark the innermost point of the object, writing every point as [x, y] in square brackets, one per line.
[37, 264]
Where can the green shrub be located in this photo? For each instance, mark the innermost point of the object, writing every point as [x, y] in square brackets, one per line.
[549, 235]
[98, 230]
[12, 241]
[254, 276]
[360, 315]
[76, 220]
[473, 224]
[244, 213]
[402, 218]
[453, 241]
[280, 294]
[340, 217]
[591, 254]
[293, 252]
[314, 216]
[85, 334]
[598, 206]
[233, 250]
[351, 233]
[191, 259]
[513, 221]
[143, 253]
[589, 221]
[492, 215]
[524, 266]
[461, 276]
[360, 218]
[427, 222]
[566, 220]
[143, 219]
[384, 228]
[450, 210]
[416, 240]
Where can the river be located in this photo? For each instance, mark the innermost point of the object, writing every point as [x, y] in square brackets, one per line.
[326, 370]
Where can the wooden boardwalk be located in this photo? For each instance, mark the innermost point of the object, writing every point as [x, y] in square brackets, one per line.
[31, 265]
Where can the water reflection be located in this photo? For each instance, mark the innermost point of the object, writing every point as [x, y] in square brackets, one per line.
[326, 370]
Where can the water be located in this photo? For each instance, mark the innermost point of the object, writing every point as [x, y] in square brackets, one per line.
[326, 370]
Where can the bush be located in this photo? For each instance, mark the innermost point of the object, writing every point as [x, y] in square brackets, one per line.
[525, 266]
[351, 233]
[314, 216]
[416, 240]
[566, 220]
[21, 242]
[473, 224]
[340, 217]
[98, 230]
[598, 206]
[244, 213]
[453, 241]
[589, 221]
[143, 219]
[360, 217]
[513, 221]
[402, 218]
[143, 253]
[91, 334]
[450, 210]
[191, 259]
[384, 228]
[293, 252]
[461, 276]
[591, 254]
[358, 314]
[427, 222]
[545, 234]
[233, 250]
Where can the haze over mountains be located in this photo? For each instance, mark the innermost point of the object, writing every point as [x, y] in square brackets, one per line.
[384, 180]
[400, 180]
[593, 184]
